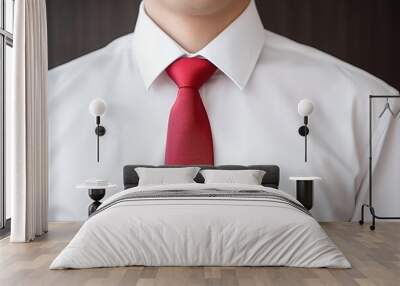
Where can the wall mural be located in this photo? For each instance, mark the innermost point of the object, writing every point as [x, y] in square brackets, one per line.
[251, 98]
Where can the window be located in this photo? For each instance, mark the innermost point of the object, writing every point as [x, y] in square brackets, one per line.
[6, 43]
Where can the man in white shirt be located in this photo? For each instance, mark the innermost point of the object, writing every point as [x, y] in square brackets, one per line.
[251, 102]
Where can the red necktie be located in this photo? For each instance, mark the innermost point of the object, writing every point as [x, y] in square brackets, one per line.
[189, 139]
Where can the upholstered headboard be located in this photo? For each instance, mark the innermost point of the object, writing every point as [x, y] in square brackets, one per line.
[271, 177]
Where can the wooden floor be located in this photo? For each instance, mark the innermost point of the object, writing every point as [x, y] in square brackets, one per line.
[375, 257]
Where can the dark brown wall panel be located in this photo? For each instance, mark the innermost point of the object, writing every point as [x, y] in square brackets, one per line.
[365, 33]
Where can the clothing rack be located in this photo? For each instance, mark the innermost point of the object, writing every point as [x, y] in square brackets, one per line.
[370, 203]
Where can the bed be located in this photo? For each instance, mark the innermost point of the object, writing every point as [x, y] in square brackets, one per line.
[198, 224]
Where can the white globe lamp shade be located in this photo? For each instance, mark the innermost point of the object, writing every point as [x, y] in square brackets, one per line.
[305, 107]
[97, 107]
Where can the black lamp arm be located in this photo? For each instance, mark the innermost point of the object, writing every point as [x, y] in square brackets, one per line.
[305, 120]
[304, 131]
[99, 131]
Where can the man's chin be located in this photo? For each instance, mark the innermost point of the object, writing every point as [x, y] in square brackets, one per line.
[198, 7]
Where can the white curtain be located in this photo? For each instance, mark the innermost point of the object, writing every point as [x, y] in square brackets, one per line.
[26, 123]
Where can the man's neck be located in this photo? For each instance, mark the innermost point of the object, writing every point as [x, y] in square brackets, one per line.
[193, 31]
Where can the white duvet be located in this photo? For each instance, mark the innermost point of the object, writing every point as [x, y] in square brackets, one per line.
[193, 231]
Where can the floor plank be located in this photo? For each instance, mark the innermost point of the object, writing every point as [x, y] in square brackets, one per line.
[375, 257]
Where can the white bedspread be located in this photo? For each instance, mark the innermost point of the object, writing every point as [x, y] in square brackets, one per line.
[199, 231]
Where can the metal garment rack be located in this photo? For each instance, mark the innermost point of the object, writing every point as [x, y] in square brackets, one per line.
[370, 204]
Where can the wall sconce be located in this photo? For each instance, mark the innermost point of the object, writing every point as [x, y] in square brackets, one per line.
[97, 108]
[305, 108]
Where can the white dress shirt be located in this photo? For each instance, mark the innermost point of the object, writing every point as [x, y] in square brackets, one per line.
[251, 102]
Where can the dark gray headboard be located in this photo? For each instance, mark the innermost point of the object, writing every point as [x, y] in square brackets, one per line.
[271, 177]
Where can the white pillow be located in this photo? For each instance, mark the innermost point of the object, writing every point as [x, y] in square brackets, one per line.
[248, 177]
[165, 176]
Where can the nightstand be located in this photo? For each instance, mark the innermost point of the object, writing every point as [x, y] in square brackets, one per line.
[305, 190]
[96, 193]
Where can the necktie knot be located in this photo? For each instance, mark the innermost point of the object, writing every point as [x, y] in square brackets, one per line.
[190, 72]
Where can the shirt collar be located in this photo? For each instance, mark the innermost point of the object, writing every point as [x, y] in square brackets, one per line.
[234, 51]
